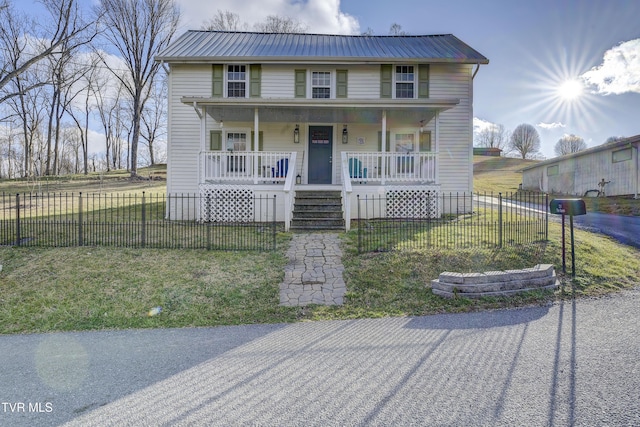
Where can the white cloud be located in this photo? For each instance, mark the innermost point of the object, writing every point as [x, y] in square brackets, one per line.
[551, 125]
[479, 125]
[619, 72]
[320, 16]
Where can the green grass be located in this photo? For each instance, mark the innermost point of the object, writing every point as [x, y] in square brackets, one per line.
[100, 288]
[92, 288]
[110, 288]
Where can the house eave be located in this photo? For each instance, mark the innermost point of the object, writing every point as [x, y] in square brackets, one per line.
[390, 104]
[338, 60]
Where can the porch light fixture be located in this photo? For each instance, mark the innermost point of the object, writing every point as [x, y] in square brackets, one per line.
[345, 135]
[296, 134]
[421, 126]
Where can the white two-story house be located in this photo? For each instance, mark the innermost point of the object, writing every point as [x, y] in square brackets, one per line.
[279, 114]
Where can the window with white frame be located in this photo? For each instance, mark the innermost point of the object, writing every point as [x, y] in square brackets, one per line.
[236, 81]
[405, 142]
[321, 84]
[236, 141]
[405, 78]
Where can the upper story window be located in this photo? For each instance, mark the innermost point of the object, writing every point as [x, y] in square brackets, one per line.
[405, 81]
[321, 84]
[236, 81]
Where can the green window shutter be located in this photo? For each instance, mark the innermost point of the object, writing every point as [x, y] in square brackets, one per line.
[386, 80]
[388, 141]
[215, 143]
[341, 83]
[423, 81]
[425, 141]
[218, 81]
[301, 84]
[256, 79]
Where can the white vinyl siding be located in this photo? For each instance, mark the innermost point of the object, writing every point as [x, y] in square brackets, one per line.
[364, 82]
[184, 126]
[277, 81]
[455, 144]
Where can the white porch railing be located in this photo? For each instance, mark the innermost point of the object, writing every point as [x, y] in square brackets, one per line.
[247, 166]
[392, 167]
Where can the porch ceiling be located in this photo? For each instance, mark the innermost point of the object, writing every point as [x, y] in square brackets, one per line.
[323, 111]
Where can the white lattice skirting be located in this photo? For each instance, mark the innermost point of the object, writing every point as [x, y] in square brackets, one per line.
[226, 203]
[407, 202]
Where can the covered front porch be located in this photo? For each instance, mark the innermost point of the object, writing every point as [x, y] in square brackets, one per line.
[280, 147]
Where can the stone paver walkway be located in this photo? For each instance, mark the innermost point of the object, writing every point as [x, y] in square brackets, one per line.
[314, 272]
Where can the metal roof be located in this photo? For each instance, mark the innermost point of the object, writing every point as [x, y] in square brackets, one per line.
[198, 46]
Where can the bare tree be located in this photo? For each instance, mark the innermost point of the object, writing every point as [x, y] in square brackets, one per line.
[396, 30]
[280, 24]
[525, 141]
[65, 27]
[614, 139]
[139, 30]
[569, 144]
[154, 118]
[224, 21]
[494, 136]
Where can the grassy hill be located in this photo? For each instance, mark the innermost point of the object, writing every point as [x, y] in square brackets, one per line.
[498, 174]
[150, 179]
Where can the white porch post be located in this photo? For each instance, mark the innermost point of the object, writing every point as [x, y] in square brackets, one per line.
[256, 139]
[437, 148]
[384, 145]
[203, 140]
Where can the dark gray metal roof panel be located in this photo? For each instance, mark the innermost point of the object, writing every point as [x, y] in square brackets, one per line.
[216, 45]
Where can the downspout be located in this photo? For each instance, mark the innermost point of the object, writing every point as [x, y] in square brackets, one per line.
[476, 71]
[164, 66]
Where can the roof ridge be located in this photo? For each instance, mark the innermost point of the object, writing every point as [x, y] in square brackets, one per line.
[326, 34]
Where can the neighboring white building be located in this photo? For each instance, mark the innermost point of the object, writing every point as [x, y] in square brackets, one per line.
[617, 163]
[274, 113]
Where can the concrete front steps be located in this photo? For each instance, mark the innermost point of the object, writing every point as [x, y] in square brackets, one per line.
[317, 210]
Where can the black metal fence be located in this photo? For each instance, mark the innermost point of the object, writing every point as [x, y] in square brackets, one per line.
[139, 221]
[451, 221]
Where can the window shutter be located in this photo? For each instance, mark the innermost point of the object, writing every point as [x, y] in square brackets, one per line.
[215, 143]
[423, 81]
[341, 83]
[425, 141]
[388, 141]
[218, 81]
[386, 80]
[255, 82]
[301, 84]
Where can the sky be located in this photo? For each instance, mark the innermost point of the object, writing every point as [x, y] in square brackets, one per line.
[534, 48]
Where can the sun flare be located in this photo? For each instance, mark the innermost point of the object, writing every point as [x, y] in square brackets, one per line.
[570, 90]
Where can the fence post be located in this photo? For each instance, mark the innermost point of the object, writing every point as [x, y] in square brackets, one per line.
[359, 227]
[274, 222]
[546, 219]
[80, 219]
[18, 239]
[500, 224]
[144, 220]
